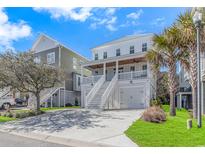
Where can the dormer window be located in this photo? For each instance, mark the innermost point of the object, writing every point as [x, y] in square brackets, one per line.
[132, 49]
[144, 47]
[105, 55]
[96, 56]
[118, 52]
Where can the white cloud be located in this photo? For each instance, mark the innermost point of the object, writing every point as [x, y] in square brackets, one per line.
[159, 22]
[135, 15]
[10, 31]
[78, 14]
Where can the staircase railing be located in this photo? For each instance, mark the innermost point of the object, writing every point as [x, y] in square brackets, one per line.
[49, 95]
[94, 90]
[109, 90]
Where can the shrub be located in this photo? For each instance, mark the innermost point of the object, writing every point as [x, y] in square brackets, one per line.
[154, 114]
[155, 102]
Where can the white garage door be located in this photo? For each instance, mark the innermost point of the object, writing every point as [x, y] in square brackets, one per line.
[132, 97]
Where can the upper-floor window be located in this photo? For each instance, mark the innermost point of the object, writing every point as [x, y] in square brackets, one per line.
[75, 63]
[96, 56]
[105, 55]
[118, 52]
[144, 47]
[51, 58]
[37, 60]
[132, 49]
[144, 67]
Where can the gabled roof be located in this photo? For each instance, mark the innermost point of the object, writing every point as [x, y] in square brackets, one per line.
[42, 35]
[125, 38]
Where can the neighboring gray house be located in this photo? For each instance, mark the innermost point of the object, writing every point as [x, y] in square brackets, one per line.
[51, 52]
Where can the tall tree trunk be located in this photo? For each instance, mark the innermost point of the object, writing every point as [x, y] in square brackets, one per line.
[193, 81]
[172, 104]
[172, 85]
[37, 102]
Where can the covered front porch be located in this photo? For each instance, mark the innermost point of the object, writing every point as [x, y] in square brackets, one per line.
[130, 67]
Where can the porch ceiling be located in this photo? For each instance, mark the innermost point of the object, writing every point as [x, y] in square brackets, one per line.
[120, 62]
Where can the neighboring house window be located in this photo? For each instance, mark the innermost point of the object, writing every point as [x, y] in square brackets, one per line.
[51, 58]
[105, 55]
[78, 81]
[37, 60]
[144, 47]
[118, 52]
[144, 67]
[132, 68]
[132, 49]
[96, 56]
[75, 63]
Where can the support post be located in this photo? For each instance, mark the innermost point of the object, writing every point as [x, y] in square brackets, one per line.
[51, 101]
[104, 70]
[64, 97]
[116, 70]
[59, 97]
[180, 101]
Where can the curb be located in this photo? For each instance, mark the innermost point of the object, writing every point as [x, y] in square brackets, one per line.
[57, 140]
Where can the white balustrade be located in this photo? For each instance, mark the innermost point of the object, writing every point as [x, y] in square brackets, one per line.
[132, 75]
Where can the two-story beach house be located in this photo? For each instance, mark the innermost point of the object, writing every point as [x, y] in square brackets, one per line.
[51, 52]
[121, 75]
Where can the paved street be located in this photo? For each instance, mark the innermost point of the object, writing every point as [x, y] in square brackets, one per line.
[7, 140]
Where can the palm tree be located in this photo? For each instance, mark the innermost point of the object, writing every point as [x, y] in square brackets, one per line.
[187, 46]
[166, 54]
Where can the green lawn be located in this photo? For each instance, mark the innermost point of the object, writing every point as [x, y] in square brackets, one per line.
[171, 133]
[5, 119]
[58, 108]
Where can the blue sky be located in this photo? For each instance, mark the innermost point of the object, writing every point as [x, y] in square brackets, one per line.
[80, 28]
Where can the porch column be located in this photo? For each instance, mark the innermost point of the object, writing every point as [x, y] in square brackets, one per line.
[104, 70]
[180, 101]
[116, 68]
[81, 74]
[59, 97]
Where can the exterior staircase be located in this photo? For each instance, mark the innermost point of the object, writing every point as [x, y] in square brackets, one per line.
[95, 103]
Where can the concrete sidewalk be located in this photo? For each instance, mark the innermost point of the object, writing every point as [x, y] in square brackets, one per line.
[77, 127]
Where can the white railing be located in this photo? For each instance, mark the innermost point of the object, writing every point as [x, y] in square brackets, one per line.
[90, 79]
[94, 90]
[109, 90]
[132, 75]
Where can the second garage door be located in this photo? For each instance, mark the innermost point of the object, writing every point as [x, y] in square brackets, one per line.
[132, 97]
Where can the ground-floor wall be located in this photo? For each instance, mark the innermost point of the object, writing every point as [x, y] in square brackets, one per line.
[130, 95]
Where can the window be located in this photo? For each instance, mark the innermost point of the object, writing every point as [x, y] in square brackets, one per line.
[120, 70]
[118, 52]
[96, 72]
[75, 63]
[78, 81]
[144, 47]
[37, 60]
[96, 56]
[132, 68]
[132, 49]
[105, 55]
[51, 58]
[144, 67]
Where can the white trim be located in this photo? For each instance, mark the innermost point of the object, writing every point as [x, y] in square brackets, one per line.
[122, 39]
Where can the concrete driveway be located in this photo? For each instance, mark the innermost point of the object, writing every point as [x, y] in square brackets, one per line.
[79, 127]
